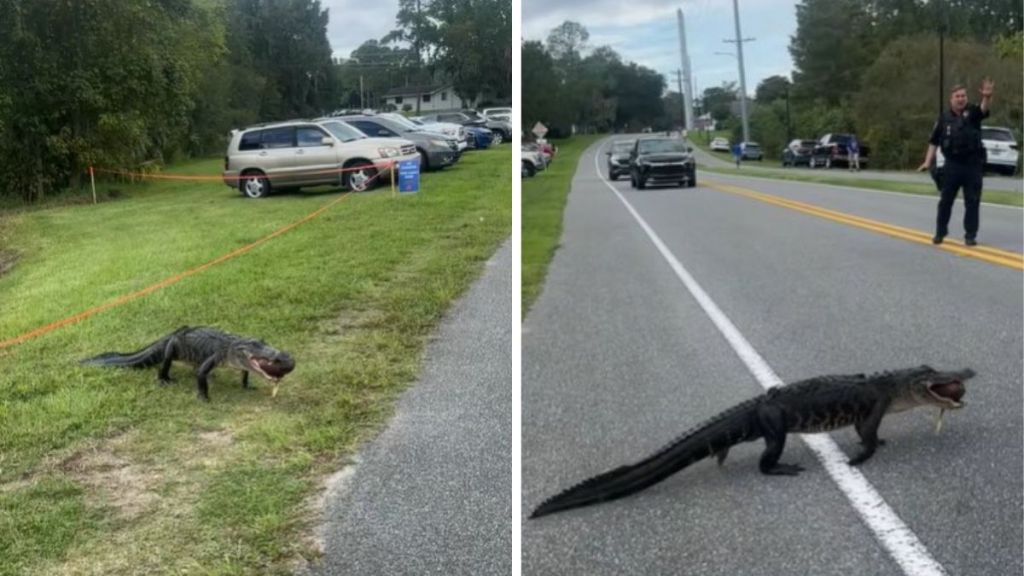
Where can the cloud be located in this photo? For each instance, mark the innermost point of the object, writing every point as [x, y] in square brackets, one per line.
[353, 22]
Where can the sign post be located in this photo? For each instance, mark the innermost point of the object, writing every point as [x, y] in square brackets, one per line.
[539, 130]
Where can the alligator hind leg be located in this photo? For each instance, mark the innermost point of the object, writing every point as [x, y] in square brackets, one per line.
[773, 426]
[245, 379]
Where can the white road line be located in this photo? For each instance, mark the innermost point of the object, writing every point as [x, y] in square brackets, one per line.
[902, 544]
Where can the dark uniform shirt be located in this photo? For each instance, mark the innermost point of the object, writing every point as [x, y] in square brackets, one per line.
[959, 135]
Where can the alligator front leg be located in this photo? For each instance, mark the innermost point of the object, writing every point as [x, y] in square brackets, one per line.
[867, 429]
[203, 389]
[245, 379]
[773, 427]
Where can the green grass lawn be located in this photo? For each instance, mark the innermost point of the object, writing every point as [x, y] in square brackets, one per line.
[104, 472]
[544, 198]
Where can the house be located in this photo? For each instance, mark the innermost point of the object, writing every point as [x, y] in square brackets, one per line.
[431, 99]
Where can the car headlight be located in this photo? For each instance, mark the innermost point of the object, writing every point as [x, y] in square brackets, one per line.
[389, 152]
[439, 143]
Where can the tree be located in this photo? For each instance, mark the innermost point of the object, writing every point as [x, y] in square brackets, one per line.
[772, 88]
[718, 100]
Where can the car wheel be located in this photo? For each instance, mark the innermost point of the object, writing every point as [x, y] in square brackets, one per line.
[359, 176]
[612, 175]
[528, 170]
[828, 163]
[424, 160]
[498, 137]
[254, 184]
[632, 181]
[641, 183]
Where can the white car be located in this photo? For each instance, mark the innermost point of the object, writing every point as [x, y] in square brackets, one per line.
[489, 112]
[720, 145]
[453, 131]
[1001, 150]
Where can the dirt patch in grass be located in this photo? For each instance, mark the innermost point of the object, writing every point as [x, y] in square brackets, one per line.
[128, 488]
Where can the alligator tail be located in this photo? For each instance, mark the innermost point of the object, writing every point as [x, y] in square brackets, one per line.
[713, 437]
[149, 356]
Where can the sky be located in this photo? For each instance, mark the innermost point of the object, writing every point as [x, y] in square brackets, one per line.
[642, 31]
[646, 32]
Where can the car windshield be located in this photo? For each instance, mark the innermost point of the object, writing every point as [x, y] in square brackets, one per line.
[998, 135]
[399, 119]
[648, 146]
[622, 146]
[343, 131]
[752, 146]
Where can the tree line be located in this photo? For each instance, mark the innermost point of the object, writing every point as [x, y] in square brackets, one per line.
[138, 83]
[867, 67]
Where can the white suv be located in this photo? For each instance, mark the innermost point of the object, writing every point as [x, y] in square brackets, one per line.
[309, 153]
[1001, 150]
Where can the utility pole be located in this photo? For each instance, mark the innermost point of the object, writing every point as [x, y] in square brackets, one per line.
[943, 24]
[682, 102]
[362, 101]
[685, 75]
[743, 79]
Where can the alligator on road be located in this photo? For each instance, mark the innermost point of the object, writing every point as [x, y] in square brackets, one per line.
[814, 405]
[205, 348]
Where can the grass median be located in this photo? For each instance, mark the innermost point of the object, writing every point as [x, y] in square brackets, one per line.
[1004, 197]
[103, 471]
[543, 199]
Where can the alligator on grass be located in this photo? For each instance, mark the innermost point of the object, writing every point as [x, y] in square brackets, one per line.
[205, 348]
[815, 405]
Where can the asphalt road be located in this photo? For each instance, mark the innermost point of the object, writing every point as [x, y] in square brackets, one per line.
[433, 493]
[991, 181]
[619, 358]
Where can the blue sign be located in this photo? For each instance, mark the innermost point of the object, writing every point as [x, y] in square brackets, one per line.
[409, 175]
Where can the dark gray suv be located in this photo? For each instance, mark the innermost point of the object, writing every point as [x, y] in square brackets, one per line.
[436, 150]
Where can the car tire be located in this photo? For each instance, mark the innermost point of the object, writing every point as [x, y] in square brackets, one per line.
[254, 184]
[641, 183]
[632, 181]
[424, 160]
[498, 137]
[359, 176]
[613, 176]
[828, 163]
[528, 170]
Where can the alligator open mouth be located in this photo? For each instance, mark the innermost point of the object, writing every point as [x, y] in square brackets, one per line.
[948, 393]
[269, 369]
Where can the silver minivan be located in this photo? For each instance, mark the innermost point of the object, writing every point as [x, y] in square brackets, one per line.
[309, 153]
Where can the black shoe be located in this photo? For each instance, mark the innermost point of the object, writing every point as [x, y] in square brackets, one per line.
[970, 241]
[937, 239]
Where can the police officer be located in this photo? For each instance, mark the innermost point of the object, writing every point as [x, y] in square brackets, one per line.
[958, 133]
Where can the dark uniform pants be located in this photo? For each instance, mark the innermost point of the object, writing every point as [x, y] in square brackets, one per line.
[956, 175]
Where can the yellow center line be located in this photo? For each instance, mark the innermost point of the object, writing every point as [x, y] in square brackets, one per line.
[986, 253]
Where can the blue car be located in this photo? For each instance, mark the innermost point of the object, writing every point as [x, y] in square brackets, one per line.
[480, 138]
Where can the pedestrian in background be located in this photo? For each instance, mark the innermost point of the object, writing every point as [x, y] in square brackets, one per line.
[853, 153]
[958, 133]
[737, 151]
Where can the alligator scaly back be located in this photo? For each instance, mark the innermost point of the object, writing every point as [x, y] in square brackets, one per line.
[713, 437]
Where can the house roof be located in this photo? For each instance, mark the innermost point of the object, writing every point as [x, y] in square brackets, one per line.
[414, 90]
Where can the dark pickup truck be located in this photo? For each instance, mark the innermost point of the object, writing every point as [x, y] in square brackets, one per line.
[831, 151]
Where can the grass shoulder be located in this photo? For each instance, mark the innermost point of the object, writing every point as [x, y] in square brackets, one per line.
[543, 202]
[104, 471]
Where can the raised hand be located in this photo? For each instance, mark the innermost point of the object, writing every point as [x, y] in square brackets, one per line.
[987, 86]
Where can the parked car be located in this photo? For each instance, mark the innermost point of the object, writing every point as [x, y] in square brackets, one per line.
[308, 153]
[454, 131]
[831, 151]
[721, 145]
[491, 112]
[532, 160]
[661, 160]
[618, 158]
[479, 137]
[436, 150]
[798, 152]
[502, 130]
[751, 151]
[1001, 150]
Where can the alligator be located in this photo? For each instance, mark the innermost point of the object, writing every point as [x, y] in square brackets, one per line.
[205, 348]
[817, 404]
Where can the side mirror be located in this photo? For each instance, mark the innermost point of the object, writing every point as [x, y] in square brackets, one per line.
[689, 149]
[327, 141]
